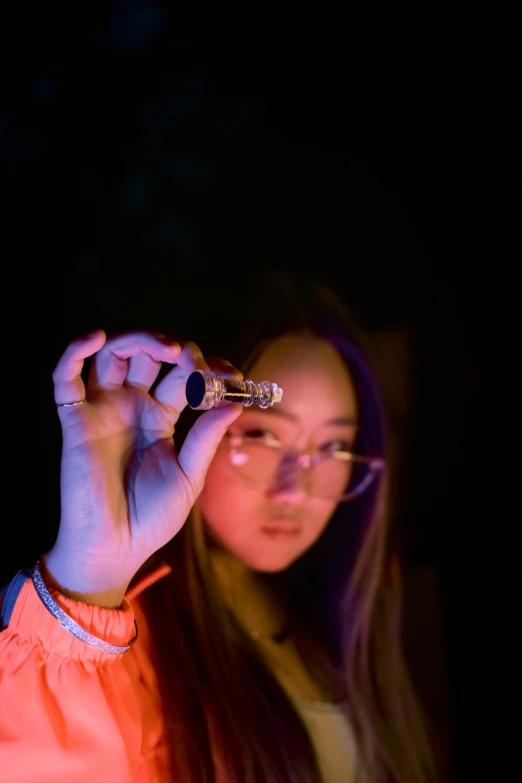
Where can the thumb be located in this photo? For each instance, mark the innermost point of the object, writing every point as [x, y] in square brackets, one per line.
[204, 437]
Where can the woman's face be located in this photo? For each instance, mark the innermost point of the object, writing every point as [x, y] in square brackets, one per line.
[268, 527]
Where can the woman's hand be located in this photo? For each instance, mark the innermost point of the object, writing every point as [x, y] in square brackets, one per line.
[125, 492]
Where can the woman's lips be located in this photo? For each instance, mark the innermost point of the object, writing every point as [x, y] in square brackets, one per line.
[281, 529]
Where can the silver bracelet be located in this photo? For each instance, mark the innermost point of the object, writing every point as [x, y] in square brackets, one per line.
[71, 625]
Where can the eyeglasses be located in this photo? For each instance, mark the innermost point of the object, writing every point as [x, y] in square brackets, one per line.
[336, 474]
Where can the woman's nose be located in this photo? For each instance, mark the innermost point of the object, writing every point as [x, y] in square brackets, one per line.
[293, 476]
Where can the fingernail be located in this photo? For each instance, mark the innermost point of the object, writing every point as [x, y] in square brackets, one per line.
[232, 367]
[90, 335]
[233, 374]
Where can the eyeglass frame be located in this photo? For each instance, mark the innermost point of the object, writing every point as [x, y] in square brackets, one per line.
[375, 464]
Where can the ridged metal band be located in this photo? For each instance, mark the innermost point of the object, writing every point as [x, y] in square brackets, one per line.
[71, 625]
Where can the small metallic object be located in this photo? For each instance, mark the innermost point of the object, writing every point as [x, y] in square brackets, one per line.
[69, 404]
[206, 390]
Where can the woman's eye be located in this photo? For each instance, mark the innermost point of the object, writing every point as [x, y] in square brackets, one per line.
[336, 445]
[258, 434]
[262, 437]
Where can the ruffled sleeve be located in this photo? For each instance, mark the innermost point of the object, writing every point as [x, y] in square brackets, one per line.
[68, 712]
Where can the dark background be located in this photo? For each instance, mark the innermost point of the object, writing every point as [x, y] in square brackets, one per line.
[158, 161]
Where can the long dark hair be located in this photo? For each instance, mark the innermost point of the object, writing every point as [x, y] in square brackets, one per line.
[224, 710]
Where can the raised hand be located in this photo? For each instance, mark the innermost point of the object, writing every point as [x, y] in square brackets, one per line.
[125, 492]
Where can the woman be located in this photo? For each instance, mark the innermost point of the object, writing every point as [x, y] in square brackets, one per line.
[269, 633]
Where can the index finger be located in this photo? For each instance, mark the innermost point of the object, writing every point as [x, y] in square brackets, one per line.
[111, 364]
[67, 376]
